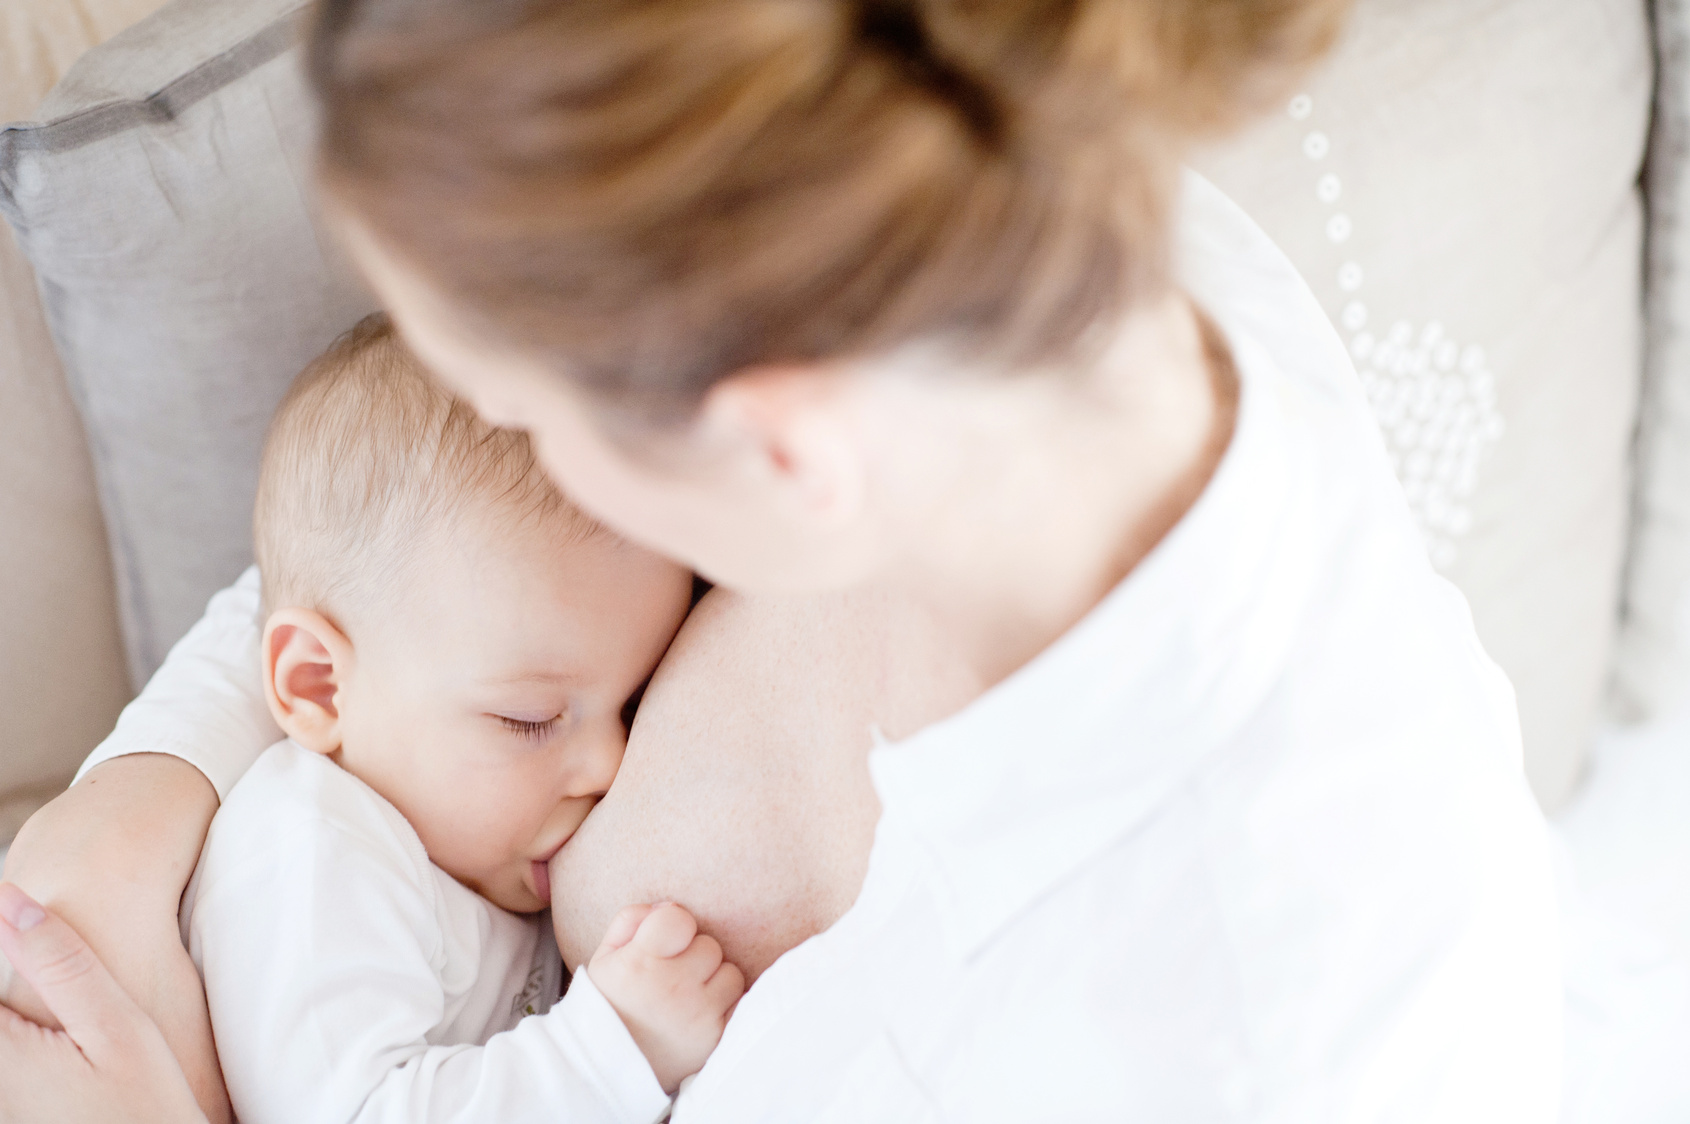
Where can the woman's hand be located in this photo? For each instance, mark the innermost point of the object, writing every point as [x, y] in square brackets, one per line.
[111, 857]
[109, 1064]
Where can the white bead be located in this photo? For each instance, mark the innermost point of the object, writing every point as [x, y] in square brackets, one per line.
[1401, 333]
[1316, 146]
[1362, 346]
[1447, 354]
[1301, 106]
[1328, 188]
[1349, 276]
[1354, 316]
[1338, 228]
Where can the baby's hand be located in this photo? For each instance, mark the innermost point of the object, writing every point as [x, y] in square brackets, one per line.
[670, 984]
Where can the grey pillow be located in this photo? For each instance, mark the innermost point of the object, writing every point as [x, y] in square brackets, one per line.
[164, 199]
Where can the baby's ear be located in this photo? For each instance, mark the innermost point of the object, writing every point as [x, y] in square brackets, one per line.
[306, 661]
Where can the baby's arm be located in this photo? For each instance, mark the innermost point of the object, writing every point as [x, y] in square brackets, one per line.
[323, 958]
[113, 854]
[667, 994]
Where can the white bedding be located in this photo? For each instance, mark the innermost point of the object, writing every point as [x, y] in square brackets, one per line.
[1626, 920]
[1628, 830]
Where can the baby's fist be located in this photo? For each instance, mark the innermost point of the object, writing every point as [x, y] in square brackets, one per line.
[670, 984]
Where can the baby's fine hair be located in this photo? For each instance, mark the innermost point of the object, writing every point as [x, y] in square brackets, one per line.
[367, 457]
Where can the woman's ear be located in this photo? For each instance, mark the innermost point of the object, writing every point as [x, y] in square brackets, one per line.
[788, 420]
[306, 661]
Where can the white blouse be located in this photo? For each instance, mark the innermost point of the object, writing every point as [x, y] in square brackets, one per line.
[1251, 842]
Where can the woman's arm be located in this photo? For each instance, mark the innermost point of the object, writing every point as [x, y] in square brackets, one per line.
[112, 855]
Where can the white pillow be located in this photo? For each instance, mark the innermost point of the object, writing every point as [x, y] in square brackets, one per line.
[1458, 184]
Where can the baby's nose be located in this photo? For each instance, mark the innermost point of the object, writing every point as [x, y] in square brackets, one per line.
[602, 759]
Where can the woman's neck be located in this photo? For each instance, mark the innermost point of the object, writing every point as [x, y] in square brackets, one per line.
[1056, 490]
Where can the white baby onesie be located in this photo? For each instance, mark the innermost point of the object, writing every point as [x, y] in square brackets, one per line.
[350, 979]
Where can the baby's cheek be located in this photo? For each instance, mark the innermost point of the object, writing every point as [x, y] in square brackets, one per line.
[482, 858]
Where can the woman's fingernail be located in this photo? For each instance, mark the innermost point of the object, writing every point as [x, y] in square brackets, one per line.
[19, 909]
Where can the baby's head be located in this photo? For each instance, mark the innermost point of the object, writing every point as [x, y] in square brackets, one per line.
[441, 621]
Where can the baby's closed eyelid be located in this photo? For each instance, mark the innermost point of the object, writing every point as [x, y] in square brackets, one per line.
[535, 715]
[533, 730]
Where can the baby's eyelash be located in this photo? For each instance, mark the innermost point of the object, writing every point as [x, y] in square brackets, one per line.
[533, 731]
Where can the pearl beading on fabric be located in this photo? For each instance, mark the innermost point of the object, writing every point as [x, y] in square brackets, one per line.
[1434, 398]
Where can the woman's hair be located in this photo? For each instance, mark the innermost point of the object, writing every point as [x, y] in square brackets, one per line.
[653, 194]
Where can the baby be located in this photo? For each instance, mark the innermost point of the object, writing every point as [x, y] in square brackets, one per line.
[454, 652]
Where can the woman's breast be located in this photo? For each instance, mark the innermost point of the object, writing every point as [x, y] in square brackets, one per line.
[744, 794]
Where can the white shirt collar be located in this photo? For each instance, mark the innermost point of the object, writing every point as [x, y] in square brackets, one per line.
[1091, 737]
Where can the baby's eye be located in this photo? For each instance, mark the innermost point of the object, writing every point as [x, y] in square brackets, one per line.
[533, 731]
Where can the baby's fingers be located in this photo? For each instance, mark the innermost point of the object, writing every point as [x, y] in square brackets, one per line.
[623, 927]
[667, 931]
[724, 988]
[701, 959]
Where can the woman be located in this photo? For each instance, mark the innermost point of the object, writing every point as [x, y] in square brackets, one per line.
[1193, 795]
